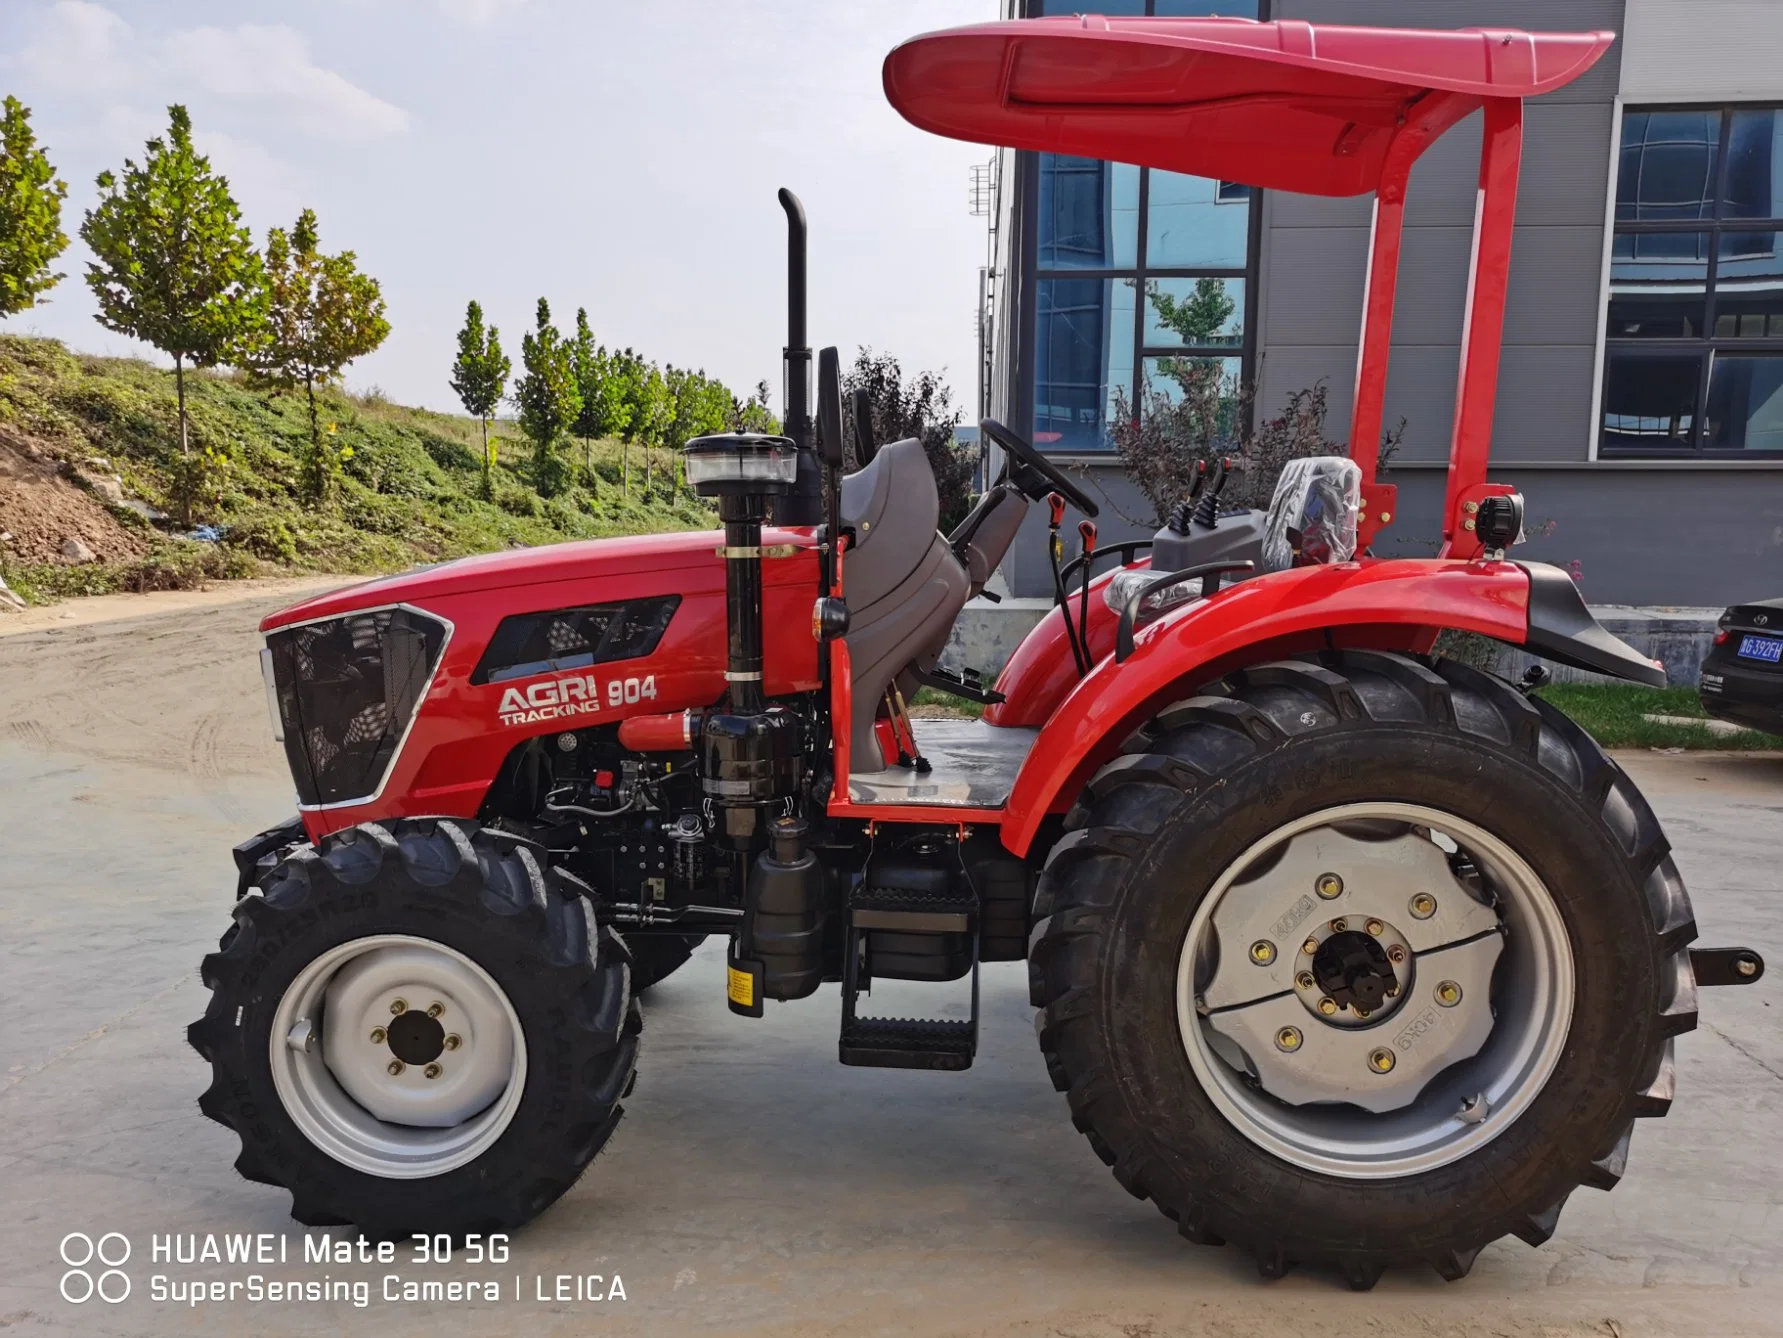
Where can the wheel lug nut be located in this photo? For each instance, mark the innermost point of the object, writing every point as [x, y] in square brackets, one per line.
[398, 1007]
[435, 1009]
[1262, 952]
[1328, 885]
[452, 1042]
[1328, 1006]
[1304, 980]
[1310, 946]
[394, 1068]
[1381, 1061]
[1287, 1039]
[1423, 906]
[378, 1035]
[1362, 1013]
[1338, 926]
[1376, 928]
[1448, 994]
[1395, 954]
[432, 1070]
[1392, 991]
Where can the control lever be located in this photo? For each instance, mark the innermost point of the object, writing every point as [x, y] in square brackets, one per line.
[1086, 549]
[1055, 552]
[1207, 513]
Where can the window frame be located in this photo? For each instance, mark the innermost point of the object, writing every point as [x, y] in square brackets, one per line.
[1709, 346]
[1139, 273]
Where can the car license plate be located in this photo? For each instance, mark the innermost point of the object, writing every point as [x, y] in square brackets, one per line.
[1766, 648]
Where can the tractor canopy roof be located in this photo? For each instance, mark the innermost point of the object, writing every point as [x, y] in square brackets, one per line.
[1287, 105]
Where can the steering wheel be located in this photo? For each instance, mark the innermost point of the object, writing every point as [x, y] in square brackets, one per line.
[1035, 475]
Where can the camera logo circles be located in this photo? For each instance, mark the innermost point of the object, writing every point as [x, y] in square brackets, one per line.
[95, 1267]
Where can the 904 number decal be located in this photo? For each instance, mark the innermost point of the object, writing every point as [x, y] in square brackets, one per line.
[629, 691]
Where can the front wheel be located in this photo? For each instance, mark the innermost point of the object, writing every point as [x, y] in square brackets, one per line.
[1362, 961]
[411, 1029]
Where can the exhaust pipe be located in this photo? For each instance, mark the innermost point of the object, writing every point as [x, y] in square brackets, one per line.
[804, 504]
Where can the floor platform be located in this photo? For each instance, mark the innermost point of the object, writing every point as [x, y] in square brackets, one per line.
[974, 765]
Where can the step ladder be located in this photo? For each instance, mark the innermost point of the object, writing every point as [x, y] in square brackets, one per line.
[943, 1044]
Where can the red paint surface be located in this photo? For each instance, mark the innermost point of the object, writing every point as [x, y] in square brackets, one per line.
[1377, 603]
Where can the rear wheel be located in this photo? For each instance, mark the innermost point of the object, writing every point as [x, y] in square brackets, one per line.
[1365, 962]
[412, 1030]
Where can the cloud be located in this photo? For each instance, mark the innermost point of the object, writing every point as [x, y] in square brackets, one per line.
[477, 13]
[82, 47]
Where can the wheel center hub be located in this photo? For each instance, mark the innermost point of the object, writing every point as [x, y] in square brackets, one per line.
[416, 1038]
[1352, 968]
[1353, 971]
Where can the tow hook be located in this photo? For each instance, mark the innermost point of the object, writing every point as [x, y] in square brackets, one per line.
[1725, 966]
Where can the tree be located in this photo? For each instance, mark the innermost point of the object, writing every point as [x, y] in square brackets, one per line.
[753, 414]
[31, 196]
[548, 398]
[921, 407]
[172, 264]
[480, 374]
[605, 411]
[321, 314]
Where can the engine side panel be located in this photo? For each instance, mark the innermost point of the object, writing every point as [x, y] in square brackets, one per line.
[464, 731]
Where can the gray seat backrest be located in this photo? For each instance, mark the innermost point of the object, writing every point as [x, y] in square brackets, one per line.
[893, 508]
[903, 585]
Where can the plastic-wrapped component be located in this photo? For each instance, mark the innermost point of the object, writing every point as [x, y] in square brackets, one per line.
[1313, 516]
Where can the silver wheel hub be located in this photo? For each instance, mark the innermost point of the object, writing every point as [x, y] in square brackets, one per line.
[1375, 989]
[420, 1060]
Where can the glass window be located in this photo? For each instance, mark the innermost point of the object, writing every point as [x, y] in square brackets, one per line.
[1200, 313]
[1749, 287]
[1754, 172]
[1189, 223]
[1667, 168]
[1212, 384]
[1649, 402]
[1694, 330]
[1745, 405]
[1662, 295]
[1089, 213]
[1189, 9]
[1083, 352]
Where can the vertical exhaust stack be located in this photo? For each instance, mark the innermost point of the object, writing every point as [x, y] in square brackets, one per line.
[803, 503]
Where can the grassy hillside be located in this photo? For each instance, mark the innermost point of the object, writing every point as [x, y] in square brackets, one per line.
[412, 489]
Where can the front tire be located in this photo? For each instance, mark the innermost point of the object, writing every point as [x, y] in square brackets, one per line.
[1264, 1144]
[470, 1106]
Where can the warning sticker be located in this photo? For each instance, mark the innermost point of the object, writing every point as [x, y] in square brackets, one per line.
[742, 988]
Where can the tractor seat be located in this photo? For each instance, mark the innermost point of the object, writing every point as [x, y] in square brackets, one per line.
[903, 584]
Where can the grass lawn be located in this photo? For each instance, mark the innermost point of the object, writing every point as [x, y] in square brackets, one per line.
[1612, 713]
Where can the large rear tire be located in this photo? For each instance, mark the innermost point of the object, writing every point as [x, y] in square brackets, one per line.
[1285, 1138]
[412, 1029]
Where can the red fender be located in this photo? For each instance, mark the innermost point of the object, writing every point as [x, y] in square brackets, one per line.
[1041, 672]
[1390, 604]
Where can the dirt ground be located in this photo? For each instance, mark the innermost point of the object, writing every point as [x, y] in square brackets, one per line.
[755, 1186]
[40, 508]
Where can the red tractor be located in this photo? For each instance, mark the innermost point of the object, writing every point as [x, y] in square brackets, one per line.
[1343, 952]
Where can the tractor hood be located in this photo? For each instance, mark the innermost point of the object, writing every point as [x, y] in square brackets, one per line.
[525, 567]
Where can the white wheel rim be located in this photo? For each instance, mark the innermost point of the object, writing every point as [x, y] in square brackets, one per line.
[398, 1056]
[1529, 987]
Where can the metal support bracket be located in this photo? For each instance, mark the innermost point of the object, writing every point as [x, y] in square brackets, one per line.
[1725, 966]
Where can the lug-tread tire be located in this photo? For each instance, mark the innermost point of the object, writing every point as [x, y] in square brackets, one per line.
[1155, 828]
[485, 894]
[656, 957]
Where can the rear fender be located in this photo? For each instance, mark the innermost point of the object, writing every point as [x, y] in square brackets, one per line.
[1399, 604]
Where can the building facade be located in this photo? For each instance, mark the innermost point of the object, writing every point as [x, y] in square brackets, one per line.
[1640, 401]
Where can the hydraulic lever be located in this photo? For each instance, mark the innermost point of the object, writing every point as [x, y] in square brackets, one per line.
[1086, 549]
[1055, 552]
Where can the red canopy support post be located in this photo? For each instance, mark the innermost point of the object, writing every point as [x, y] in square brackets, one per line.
[1374, 346]
[1495, 216]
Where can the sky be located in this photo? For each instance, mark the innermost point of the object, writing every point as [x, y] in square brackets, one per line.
[620, 155]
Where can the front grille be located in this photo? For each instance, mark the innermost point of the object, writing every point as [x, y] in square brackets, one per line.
[346, 690]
